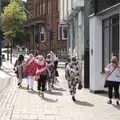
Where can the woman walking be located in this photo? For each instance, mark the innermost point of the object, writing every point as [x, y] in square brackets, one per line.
[31, 67]
[73, 75]
[112, 76]
[18, 67]
[42, 73]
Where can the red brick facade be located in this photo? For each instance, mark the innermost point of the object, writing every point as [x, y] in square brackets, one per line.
[42, 27]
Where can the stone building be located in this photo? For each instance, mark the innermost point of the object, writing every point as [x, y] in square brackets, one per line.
[42, 27]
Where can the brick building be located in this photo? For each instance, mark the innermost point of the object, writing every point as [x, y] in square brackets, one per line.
[42, 27]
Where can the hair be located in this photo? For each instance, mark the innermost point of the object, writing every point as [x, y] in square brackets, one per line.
[20, 58]
[114, 59]
[40, 57]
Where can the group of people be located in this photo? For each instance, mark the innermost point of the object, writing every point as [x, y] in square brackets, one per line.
[45, 71]
[37, 68]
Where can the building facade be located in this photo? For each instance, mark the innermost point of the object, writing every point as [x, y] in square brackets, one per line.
[104, 26]
[42, 27]
[75, 16]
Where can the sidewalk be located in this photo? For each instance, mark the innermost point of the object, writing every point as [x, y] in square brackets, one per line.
[21, 104]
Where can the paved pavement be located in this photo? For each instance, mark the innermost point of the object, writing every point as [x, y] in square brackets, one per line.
[21, 104]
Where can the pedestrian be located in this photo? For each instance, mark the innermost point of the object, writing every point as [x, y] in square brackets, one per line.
[31, 67]
[18, 67]
[73, 71]
[50, 72]
[42, 73]
[56, 66]
[112, 77]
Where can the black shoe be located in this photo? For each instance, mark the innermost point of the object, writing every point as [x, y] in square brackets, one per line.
[117, 102]
[109, 102]
[28, 87]
[18, 84]
[73, 98]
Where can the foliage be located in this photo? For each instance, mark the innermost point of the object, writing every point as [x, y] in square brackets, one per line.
[13, 18]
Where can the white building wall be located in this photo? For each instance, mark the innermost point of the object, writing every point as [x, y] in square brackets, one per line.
[96, 76]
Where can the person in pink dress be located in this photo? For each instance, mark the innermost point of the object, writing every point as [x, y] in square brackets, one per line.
[31, 67]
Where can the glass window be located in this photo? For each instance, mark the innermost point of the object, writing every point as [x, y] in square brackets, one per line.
[110, 38]
[62, 32]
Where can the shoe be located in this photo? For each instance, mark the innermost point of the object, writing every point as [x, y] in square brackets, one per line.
[28, 87]
[109, 102]
[18, 84]
[73, 98]
[117, 102]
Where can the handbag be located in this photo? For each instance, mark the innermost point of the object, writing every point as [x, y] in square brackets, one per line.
[106, 84]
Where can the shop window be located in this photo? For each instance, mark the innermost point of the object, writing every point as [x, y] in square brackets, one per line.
[110, 38]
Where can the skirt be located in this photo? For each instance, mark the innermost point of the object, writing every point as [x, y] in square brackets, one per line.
[110, 83]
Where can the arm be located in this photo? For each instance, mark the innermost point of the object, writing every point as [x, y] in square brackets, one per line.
[42, 69]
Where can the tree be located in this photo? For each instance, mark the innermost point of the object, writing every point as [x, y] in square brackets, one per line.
[13, 18]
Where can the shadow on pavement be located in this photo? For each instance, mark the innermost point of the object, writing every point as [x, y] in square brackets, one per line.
[117, 107]
[7, 72]
[84, 103]
[54, 93]
[32, 92]
[104, 94]
[50, 100]
[58, 89]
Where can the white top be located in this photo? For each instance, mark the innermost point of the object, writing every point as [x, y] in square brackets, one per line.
[115, 75]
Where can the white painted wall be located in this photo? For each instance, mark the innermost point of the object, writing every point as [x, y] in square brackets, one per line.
[96, 78]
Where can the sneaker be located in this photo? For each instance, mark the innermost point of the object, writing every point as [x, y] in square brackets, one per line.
[73, 98]
[117, 102]
[109, 102]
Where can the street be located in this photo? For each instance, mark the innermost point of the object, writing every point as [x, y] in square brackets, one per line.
[21, 104]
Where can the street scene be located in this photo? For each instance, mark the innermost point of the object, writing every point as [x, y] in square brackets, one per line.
[59, 59]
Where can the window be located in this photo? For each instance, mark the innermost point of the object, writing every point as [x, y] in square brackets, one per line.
[42, 34]
[62, 32]
[110, 38]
